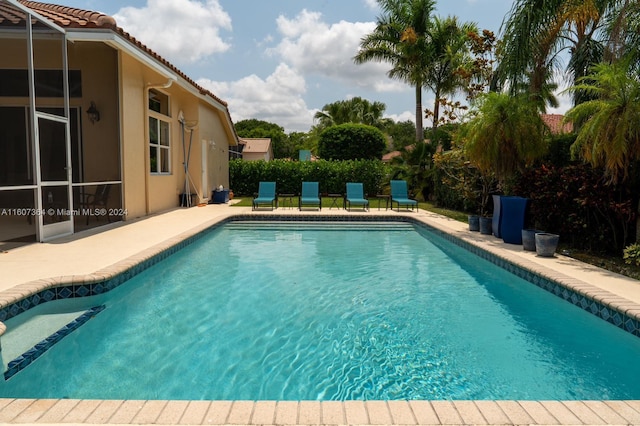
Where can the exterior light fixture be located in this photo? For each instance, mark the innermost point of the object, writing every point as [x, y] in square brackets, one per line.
[93, 113]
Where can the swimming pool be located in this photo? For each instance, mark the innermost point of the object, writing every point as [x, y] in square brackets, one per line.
[354, 314]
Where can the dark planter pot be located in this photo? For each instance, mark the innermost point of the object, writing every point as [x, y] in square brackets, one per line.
[474, 223]
[486, 225]
[513, 211]
[529, 239]
[497, 216]
[546, 244]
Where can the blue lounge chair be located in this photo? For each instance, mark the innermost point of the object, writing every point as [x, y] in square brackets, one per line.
[355, 196]
[310, 196]
[400, 195]
[266, 196]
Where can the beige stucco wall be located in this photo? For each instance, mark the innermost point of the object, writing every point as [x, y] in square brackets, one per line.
[118, 84]
[163, 191]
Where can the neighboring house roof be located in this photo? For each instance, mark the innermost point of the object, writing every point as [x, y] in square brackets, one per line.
[255, 145]
[390, 156]
[72, 19]
[556, 125]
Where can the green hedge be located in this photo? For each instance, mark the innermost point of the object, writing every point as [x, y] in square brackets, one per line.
[245, 176]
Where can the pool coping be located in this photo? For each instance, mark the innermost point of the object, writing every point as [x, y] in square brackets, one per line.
[315, 412]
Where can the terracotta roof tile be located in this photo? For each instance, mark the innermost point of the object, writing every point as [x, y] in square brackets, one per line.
[69, 17]
[554, 121]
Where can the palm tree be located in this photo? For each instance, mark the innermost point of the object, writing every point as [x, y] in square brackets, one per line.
[449, 53]
[609, 133]
[400, 38]
[506, 135]
[535, 32]
[354, 110]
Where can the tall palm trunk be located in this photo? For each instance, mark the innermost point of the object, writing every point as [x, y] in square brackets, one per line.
[419, 126]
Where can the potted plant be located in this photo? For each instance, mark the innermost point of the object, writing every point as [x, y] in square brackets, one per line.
[474, 184]
[505, 135]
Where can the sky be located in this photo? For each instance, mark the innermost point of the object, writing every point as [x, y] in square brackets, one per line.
[280, 60]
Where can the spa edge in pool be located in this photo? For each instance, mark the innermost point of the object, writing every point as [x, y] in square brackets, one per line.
[362, 308]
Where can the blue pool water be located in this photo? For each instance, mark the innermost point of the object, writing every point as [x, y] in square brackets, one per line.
[306, 312]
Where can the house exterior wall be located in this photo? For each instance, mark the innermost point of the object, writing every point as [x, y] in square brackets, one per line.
[163, 190]
[117, 147]
[255, 156]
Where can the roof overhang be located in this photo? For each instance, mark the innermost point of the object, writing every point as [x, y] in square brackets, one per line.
[120, 43]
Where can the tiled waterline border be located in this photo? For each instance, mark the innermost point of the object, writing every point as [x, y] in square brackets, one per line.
[612, 309]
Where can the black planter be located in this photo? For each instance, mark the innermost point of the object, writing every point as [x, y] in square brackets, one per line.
[474, 222]
[486, 225]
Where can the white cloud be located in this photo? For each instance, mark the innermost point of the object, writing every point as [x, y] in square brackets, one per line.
[179, 30]
[313, 47]
[371, 4]
[276, 99]
[403, 116]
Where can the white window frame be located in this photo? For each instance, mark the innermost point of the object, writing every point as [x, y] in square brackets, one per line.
[163, 145]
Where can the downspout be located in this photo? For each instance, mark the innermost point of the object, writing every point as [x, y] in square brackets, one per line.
[147, 171]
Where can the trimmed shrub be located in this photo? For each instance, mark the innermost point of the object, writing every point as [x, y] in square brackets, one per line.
[333, 176]
[350, 142]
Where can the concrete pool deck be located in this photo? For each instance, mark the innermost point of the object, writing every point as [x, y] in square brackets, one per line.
[106, 251]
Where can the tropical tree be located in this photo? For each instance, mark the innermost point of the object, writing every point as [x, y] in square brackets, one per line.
[449, 53]
[535, 32]
[354, 110]
[400, 38]
[506, 134]
[609, 135]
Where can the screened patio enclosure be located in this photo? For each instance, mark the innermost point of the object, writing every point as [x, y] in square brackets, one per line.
[60, 166]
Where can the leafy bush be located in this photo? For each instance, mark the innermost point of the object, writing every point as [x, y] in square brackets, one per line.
[632, 254]
[350, 142]
[577, 202]
[332, 175]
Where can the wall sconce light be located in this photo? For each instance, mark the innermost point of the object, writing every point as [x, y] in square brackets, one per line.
[93, 113]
